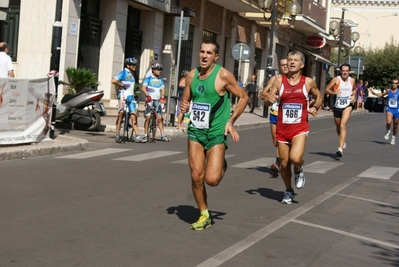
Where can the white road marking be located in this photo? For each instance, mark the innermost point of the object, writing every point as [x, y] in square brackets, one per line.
[260, 162]
[369, 200]
[185, 161]
[95, 153]
[150, 155]
[379, 172]
[321, 166]
[372, 240]
[252, 239]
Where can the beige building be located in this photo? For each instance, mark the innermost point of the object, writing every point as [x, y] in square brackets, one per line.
[374, 20]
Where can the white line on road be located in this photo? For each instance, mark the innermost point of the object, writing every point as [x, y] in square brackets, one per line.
[379, 172]
[369, 200]
[151, 155]
[260, 162]
[372, 240]
[185, 161]
[95, 153]
[247, 242]
[321, 166]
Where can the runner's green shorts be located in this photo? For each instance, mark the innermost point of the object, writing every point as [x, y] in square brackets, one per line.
[207, 141]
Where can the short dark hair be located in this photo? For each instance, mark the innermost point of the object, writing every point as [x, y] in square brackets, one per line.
[3, 46]
[209, 41]
[345, 65]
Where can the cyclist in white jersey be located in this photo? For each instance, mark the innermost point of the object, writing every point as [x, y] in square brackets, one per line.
[125, 81]
[344, 88]
[154, 89]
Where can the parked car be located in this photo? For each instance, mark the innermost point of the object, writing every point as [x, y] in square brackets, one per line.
[375, 103]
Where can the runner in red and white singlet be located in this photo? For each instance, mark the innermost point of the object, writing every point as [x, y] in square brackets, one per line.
[292, 90]
[293, 116]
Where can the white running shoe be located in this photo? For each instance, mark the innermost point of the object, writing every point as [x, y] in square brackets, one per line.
[386, 136]
[300, 179]
[393, 140]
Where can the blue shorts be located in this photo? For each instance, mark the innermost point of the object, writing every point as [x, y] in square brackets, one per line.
[273, 119]
[394, 111]
[131, 104]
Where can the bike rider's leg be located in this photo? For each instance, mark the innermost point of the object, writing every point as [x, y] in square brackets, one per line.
[117, 126]
[161, 125]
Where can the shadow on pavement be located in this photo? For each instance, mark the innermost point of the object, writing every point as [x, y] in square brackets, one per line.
[189, 214]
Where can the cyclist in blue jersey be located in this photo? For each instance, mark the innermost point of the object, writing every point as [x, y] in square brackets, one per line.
[126, 82]
[154, 89]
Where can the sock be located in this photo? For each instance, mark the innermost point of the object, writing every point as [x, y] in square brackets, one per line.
[205, 212]
[278, 161]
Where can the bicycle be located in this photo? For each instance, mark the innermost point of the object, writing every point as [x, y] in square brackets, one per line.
[125, 128]
[152, 123]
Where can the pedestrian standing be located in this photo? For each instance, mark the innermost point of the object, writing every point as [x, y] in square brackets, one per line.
[252, 90]
[293, 90]
[208, 87]
[343, 87]
[6, 67]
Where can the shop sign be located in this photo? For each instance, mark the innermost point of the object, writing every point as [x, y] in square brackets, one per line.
[314, 41]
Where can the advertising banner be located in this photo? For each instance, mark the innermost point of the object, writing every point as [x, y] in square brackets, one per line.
[25, 109]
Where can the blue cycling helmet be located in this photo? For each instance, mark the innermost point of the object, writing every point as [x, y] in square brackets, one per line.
[156, 66]
[131, 61]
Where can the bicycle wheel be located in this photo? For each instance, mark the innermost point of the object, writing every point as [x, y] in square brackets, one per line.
[152, 127]
[122, 128]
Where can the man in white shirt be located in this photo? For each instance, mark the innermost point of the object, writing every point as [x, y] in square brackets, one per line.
[6, 67]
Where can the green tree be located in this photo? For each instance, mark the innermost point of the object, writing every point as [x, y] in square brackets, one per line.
[382, 65]
[80, 78]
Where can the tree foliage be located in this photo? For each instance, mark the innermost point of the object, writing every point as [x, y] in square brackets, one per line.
[80, 78]
[382, 65]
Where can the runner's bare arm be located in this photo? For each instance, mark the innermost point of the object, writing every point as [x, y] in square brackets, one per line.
[273, 92]
[267, 87]
[315, 92]
[186, 97]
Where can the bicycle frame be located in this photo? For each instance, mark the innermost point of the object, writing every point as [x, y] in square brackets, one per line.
[124, 125]
[152, 124]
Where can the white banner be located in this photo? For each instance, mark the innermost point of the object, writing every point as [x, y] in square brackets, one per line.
[25, 109]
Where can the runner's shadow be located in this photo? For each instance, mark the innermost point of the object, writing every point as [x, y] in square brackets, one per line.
[268, 193]
[324, 154]
[189, 214]
[381, 142]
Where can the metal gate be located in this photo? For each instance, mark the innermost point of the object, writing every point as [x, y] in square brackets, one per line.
[90, 36]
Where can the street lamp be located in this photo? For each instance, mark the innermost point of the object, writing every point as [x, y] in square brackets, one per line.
[269, 8]
[290, 11]
[338, 28]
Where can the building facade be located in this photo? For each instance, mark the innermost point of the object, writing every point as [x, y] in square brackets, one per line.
[100, 34]
[374, 20]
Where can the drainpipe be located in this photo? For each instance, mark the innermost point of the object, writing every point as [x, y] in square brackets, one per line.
[55, 58]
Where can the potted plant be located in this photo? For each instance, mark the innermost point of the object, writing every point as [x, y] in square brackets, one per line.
[80, 78]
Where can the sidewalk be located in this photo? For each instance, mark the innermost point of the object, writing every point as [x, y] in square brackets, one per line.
[66, 143]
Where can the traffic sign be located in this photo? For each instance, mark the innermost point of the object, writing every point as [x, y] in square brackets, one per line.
[240, 51]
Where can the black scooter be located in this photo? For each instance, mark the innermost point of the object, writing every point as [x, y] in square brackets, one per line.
[83, 109]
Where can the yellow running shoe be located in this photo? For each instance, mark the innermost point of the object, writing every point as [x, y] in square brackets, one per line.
[202, 223]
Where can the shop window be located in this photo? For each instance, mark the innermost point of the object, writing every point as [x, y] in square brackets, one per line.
[186, 52]
[10, 26]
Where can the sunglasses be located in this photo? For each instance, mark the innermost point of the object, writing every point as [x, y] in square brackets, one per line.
[395, 83]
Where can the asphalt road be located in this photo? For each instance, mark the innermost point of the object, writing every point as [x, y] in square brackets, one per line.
[131, 204]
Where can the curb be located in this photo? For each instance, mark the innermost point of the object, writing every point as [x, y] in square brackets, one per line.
[47, 147]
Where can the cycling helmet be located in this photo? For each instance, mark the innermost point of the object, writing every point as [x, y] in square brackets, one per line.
[131, 61]
[156, 66]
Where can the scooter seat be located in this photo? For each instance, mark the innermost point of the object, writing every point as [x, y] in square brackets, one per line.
[68, 97]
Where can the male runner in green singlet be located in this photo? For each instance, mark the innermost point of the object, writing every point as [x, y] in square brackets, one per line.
[208, 87]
